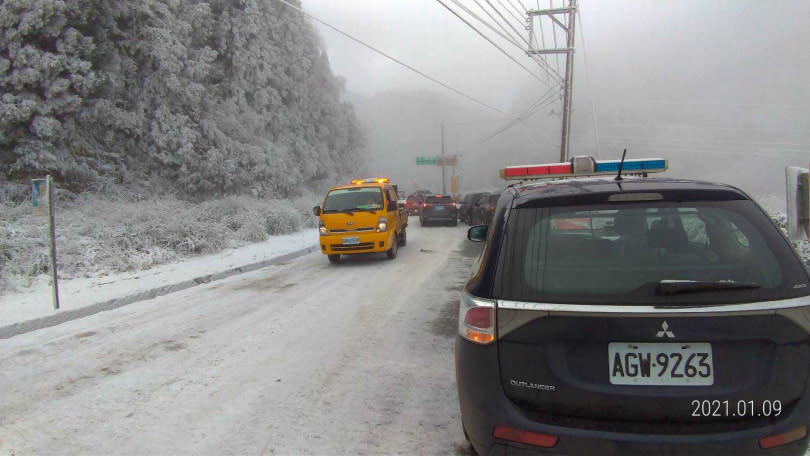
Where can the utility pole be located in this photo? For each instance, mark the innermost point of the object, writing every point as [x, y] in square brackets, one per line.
[569, 82]
[568, 26]
[444, 191]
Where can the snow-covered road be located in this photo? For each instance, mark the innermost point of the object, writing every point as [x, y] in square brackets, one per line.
[299, 358]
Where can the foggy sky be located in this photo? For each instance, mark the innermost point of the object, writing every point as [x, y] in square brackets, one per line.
[678, 79]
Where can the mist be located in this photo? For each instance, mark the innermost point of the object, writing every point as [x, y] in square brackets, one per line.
[717, 88]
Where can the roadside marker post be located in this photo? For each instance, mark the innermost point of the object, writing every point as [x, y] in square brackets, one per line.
[41, 200]
[798, 202]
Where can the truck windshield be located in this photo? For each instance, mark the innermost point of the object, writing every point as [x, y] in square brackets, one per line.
[647, 253]
[347, 199]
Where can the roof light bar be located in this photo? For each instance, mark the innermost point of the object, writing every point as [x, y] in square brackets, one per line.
[371, 180]
[578, 167]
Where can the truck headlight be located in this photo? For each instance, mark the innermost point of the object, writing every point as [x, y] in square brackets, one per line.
[322, 228]
[382, 224]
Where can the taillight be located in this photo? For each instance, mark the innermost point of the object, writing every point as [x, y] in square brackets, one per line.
[783, 438]
[476, 319]
[455, 205]
[531, 438]
[424, 205]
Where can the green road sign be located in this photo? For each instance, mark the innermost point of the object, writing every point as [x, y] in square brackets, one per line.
[424, 161]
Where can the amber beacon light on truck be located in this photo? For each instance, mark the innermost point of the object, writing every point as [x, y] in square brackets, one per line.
[371, 180]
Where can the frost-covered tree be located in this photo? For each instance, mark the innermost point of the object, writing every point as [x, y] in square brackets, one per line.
[46, 77]
[217, 96]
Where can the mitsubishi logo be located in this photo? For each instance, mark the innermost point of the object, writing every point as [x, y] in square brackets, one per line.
[350, 223]
[665, 331]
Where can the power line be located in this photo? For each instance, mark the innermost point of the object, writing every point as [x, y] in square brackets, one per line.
[542, 36]
[544, 65]
[518, 9]
[546, 68]
[507, 22]
[475, 100]
[554, 34]
[517, 17]
[588, 86]
[519, 119]
[496, 21]
[484, 37]
[510, 39]
[544, 100]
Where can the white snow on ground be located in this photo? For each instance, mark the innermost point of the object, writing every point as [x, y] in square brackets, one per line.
[304, 358]
[37, 301]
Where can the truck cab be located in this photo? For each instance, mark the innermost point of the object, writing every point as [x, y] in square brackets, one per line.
[362, 217]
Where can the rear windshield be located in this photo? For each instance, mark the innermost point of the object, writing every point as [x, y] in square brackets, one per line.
[358, 198]
[472, 197]
[484, 198]
[439, 199]
[622, 253]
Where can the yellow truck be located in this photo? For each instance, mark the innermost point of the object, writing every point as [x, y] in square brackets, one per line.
[362, 217]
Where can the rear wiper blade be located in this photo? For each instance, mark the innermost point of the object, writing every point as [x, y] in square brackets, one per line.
[672, 287]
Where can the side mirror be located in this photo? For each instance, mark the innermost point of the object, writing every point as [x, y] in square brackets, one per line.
[316, 210]
[478, 233]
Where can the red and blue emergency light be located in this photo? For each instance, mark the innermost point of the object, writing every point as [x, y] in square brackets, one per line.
[584, 166]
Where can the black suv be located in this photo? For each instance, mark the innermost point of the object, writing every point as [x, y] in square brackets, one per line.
[636, 317]
[467, 204]
[481, 213]
[438, 208]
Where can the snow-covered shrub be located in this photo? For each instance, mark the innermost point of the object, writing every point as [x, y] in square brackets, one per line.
[99, 234]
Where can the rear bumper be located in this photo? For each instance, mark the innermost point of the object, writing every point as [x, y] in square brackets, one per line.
[443, 215]
[484, 405]
[332, 244]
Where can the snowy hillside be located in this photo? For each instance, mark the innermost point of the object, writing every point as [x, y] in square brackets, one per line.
[207, 97]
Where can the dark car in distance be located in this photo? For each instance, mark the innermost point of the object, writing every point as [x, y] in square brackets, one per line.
[482, 211]
[438, 208]
[467, 204]
[637, 317]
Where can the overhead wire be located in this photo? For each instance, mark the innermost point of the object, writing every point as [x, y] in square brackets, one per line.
[498, 24]
[588, 86]
[547, 69]
[486, 38]
[434, 80]
[510, 39]
[498, 12]
[514, 122]
[543, 40]
[554, 34]
[517, 17]
[546, 99]
[550, 73]
[539, 59]
[517, 9]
